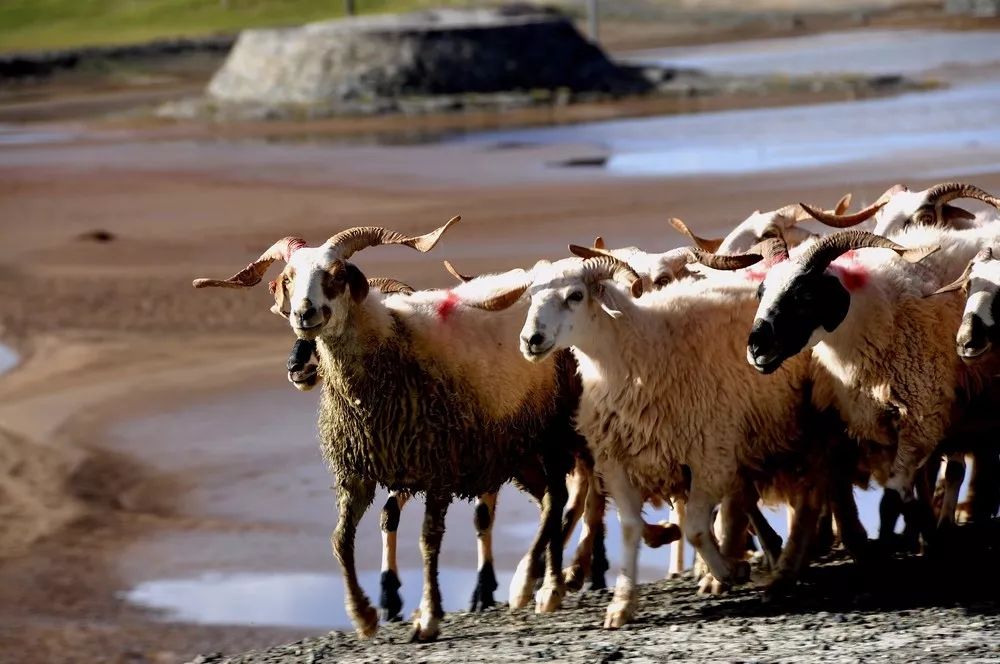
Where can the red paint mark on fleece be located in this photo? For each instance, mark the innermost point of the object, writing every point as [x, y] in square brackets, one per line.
[447, 306]
[754, 276]
[852, 274]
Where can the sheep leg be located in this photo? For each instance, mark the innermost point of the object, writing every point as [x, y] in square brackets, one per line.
[677, 554]
[486, 583]
[353, 498]
[731, 531]
[581, 483]
[549, 597]
[770, 541]
[807, 510]
[954, 475]
[389, 600]
[427, 621]
[852, 532]
[590, 557]
[628, 501]
[699, 532]
[984, 487]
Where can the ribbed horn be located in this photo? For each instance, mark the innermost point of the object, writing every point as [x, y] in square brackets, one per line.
[389, 286]
[349, 242]
[819, 256]
[702, 243]
[252, 274]
[609, 267]
[455, 273]
[940, 194]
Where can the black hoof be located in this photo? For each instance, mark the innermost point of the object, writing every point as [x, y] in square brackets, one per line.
[482, 595]
[599, 564]
[389, 600]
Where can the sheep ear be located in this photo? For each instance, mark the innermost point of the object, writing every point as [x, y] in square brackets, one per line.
[600, 293]
[357, 282]
[280, 290]
[951, 213]
[599, 242]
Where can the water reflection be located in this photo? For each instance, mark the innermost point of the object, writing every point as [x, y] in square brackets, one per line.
[8, 358]
[288, 599]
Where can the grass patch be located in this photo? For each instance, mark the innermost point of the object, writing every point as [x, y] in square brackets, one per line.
[30, 25]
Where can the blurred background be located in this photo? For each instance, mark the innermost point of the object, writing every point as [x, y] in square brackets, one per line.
[161, 490]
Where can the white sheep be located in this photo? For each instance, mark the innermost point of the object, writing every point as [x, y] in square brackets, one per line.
[655, 370]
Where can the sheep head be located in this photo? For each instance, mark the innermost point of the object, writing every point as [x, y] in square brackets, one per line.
[899, 208]
[803, 299]
[318, 284]
[980, 327]
[756, 227]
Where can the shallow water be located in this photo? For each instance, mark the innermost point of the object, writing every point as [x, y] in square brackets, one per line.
[288, 599]
[964, 118]
[869, 52]
[8, 358]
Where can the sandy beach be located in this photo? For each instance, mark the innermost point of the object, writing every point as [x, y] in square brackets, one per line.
[150, 445]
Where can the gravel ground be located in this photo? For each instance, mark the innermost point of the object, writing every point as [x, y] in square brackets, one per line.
[911, 609]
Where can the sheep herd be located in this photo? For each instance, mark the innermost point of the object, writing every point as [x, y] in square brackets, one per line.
[771, 365]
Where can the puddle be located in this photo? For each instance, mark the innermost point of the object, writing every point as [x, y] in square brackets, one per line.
[965, 119]
[8, 358]
[870, 52]
[18, 135]
[291, 599]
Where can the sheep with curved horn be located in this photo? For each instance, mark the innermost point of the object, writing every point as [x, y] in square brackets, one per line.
[877, 346]
[899, 208]
[752, 229]
[644, 433]
[411, 402]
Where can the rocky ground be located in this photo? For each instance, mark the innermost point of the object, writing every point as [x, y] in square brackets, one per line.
[910, 609]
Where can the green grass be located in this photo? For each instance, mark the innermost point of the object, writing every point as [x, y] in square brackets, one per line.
[28, 25]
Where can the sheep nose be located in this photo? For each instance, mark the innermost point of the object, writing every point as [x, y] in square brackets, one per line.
[761, 338]
[534, 341]
[306, 313]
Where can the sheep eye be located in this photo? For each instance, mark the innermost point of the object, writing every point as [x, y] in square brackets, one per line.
[664, 280]
[575, 296]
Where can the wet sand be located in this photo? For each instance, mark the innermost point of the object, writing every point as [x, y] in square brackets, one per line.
[158, 418]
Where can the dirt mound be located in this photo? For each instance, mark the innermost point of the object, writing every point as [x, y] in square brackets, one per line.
[437, 52]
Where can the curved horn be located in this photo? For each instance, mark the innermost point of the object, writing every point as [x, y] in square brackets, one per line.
[940, 194]
[705, 244]
[609, 267]
[839, 209]
[819, 256]
[722, 261]
[353, 240]
[389, 286]
[589, 252]
[504, 299]
[963, 279]
[252, 274]
[843, 220]
[455, 273]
